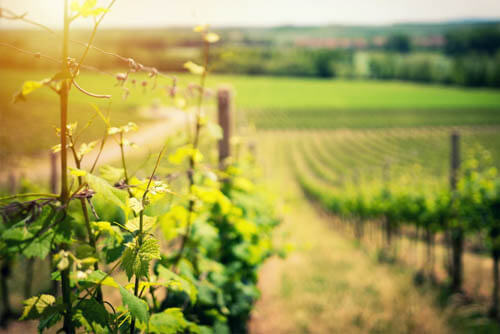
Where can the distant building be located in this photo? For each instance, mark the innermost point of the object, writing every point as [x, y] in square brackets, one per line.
[363, 43]
[429, 41]
[332, 43]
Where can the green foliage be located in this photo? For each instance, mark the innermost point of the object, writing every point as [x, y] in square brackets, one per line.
[170, 321]
[36, 307]
[185, 152]
[136, 258]
[399, 43]
[217, 227]
[137, 307]
[94, 312]
[88, 8]
[177, 283]
[479, 40]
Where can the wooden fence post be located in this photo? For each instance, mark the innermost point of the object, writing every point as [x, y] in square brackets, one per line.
[457, 233]
[455, 160]
[252, 149]
[386, 172]
[224, 117]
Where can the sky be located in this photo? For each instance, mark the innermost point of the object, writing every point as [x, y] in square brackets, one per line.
[159, 13]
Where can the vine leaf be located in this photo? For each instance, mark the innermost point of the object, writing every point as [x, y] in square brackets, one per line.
[109, 202]
[111, 174]
[87, 9]
[135, 261]
[86, 148]
[212, 37]
[28, 88]
[177, 283]
[194, 68]
[105, 191]
[34, 307]
[135, 205]
[100, 277]
[170, 321]
[94, 312]
[184, 152]
[106, 228]
[39, 247]
[136, 306]
[134, 223]
[214, 130]
[201, 28]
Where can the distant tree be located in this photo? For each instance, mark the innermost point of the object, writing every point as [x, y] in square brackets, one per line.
[484, 40]
[326, 61]
[398, 43]
[323, 64]
[457, 43]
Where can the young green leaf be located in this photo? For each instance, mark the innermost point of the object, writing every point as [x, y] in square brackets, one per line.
[134, 223]
[170, 321]
[86, 148]
[176, 282]
[184, 152]
[214, 130]
[87, 9]
[212, 37]
[135, 205]
[100, 277]
[34, 307]
[111, 174]
[137, 307]
[136, 261]
[194, 68]
[200, 28]
[40, 247]
[28, 88]
[105, 227]
[93, 312]
[77, 172]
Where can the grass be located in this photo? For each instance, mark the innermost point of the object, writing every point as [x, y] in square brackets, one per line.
[269, 102]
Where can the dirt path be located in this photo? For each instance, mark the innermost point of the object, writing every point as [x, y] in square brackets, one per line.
[148, 138]
[329, 284]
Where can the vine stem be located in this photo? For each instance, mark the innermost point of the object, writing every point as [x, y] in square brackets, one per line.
[90, 232]
[122, 154]
[68, 326]
[40, 195]
[137, 278]
[141, 224]
[86, 92]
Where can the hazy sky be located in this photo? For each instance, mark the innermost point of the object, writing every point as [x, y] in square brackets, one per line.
[265, 12]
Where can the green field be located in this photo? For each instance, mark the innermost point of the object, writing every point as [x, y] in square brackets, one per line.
[268, 102]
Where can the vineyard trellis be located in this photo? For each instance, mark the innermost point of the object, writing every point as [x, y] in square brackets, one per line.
[375, 195]
[216, 225]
